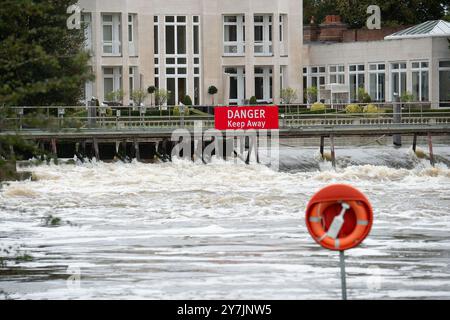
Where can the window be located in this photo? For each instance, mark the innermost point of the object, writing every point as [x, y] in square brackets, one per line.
[263, 84]
[156, 49]
[317, 80]
[237, 85]
[398, 80]
[86, 20]
[420, 81]
[112, 80]
[377, 82]
[175, 35]
[283, 35]
[263, 34]
[444, 83]
[337, 74]
[234, 35]
[133, 78]
[357, 80]
[131, 35]
[112, 36]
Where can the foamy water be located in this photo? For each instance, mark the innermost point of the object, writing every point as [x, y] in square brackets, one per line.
[225, 230]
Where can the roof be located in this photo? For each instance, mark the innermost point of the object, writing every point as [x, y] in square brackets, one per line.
[433, 28]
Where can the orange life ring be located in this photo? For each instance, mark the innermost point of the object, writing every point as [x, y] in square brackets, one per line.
[326, 205]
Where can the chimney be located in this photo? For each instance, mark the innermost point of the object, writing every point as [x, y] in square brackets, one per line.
[332, 29]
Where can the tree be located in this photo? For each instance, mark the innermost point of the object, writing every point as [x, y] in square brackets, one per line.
[139, 96]
[393, 12]
[115, 96]
[42, 62]
[289, 95]
[212, 90]
[161, 96]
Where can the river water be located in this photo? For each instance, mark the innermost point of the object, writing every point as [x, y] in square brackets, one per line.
[224, 230]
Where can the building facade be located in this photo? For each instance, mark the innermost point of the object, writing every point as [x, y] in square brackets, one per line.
[244, 48]
[413, 61]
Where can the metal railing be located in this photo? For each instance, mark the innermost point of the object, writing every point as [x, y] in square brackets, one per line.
[57, 118]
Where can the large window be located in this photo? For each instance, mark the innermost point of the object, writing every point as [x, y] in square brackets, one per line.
[237, 85]
[176, 58]
[283, 35]
[197, 66]
[420, 81]
[263, 34]
[175, 35]
[86, 20]
[398, 80]
[377, 81]
[263, 84]
[444, 83]
[357, 80]
[112, 37]
[132, 35]
[112, 80]
[234, 35]
[337, 74]
[317, 80]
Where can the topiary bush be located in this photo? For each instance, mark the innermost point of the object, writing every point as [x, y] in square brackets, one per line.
[318, 106]
[253, 100]
[353, 108]
[187, 101]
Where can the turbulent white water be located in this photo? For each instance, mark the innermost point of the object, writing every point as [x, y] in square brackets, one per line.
[230, 231]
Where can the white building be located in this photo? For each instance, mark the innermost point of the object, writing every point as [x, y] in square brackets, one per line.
[415, 60]
[243, 47]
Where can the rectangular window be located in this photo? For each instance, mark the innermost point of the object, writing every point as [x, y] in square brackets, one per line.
[132, 35]
[377, 82]
[357, 81]
[86, 21]
[176, 40]
[234, 35]
[398, 80]
[263, 34]
[196, 39]
[237, 85]
[444, 84]
[337, 74]
[112, 81]
[156, 38]
[111, 34]
[263, 84]
[420, 81]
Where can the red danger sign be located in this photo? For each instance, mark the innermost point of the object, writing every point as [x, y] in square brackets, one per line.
[246, 118]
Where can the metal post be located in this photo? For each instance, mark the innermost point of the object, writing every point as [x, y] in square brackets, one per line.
[343, 275]
[96, 149]
[322, 145]
[430, 146]
[415, 142]
[397, 120]
[333, 153]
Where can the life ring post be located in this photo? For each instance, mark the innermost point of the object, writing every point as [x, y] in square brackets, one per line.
[343, 274]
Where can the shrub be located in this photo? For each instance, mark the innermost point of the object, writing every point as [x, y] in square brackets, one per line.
[253, 100]
[311, 94]
[177, 113]
[187, 101]
[289, 95]
[363, 96]
[318, 106]
[371, 108]
[353, 108]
